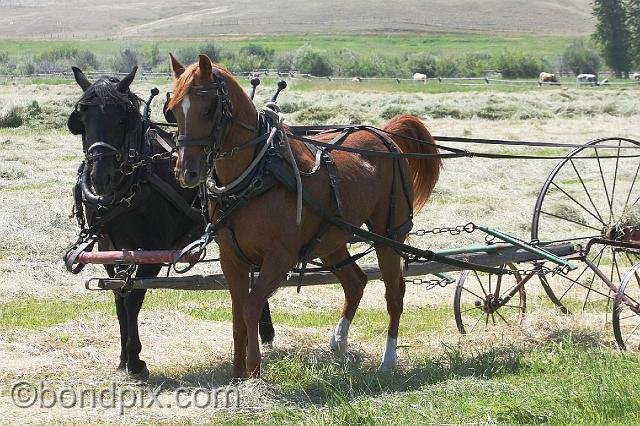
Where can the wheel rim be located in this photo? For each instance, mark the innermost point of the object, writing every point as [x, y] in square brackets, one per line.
[626, 311]
[586, 198]
[480, 301]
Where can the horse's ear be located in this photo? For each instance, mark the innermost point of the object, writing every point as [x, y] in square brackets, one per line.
[81, 79]
[205, 65]
[75, 124]
[176, 67]
[124, 84]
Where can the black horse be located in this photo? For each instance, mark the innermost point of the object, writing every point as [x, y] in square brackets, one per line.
[127, 202]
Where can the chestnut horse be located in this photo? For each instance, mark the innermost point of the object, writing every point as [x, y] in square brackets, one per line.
[220, 136]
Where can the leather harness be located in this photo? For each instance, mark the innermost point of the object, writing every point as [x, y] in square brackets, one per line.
[273, 169]
[93, 213]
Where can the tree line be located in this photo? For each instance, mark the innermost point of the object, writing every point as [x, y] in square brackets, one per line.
[617, 33]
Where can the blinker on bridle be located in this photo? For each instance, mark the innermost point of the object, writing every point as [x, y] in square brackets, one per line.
[222, 115]
[111, 150]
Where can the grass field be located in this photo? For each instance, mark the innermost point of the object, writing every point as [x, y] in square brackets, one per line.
[388, 44]
[553, 369]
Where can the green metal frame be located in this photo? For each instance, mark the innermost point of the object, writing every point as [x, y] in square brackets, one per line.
[494, 248]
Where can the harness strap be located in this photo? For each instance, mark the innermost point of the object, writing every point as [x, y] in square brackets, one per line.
[333, 181]
[89, 237]
[170, 194]
[283, 175]
[83, 244]
[256, 161]
[308, 248]
[319, 151]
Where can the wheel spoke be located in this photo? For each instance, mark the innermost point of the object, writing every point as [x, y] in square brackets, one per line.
[590, 288]
[477, 321]
[631, 334]
[633, 182]
[586, 190]
[572, 284]
[633, 263]
[617, 270]
[630, 300]
[569, 220]
[579, 203]
[630, 316]
[480, 282]
[512, 306]
[604, 184]
[500, 315]
[615, 176]
[469, 291]
[577, 280]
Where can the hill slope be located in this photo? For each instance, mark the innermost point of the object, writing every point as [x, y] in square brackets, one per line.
[152, 18]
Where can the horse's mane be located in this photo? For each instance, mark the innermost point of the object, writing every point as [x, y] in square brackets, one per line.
[183, 83]
[105, 89]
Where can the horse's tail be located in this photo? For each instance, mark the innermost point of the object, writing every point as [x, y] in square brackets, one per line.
[417, 139]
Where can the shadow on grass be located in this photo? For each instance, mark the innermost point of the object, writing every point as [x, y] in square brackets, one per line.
[313, 376]
[211, 376]
[318, 377]
[581, 338]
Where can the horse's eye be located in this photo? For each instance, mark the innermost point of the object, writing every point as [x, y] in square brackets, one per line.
[207, 112]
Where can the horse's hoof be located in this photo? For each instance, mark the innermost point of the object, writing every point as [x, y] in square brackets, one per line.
[140, 376]
[339, 347]
[238, 380]
[122, 367]
[267, 345]
[387, 367]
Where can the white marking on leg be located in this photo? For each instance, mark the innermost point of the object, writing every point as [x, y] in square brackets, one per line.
[340, 337]
[390, 357]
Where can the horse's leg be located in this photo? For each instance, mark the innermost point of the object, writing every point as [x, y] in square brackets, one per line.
[265, 327]
[236, 274]
[390, 268]
[275, 266]
[353, 281]
[121, 312]
[137, 368]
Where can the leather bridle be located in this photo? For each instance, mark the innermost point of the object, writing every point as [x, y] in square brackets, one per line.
[222, 118]
[125, 156]
[126, 151]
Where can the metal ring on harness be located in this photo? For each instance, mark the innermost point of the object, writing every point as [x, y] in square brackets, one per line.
[101, 144]
[200, 245]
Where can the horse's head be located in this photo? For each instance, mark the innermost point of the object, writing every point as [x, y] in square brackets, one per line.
[201, 105]
[106, 116]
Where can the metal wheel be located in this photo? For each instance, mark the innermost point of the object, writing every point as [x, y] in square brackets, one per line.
[592, 193]
[625, 316]
[485, 300]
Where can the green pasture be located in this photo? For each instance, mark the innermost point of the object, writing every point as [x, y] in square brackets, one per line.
[392, 45]
[570, 377]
